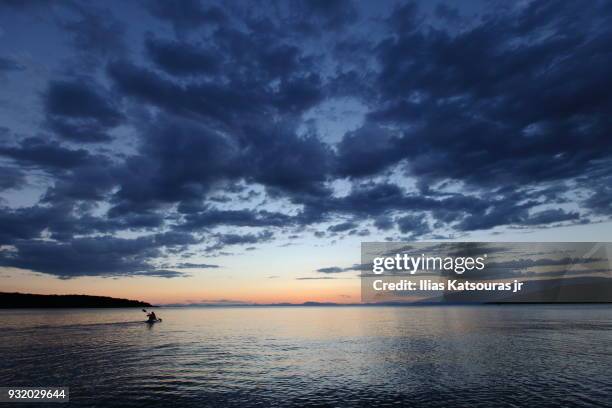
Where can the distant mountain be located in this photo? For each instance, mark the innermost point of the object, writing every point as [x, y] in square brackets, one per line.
[27, 300]
[236, 304]
[563, 290]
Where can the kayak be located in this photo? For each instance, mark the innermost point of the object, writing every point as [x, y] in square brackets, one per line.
[153, 321]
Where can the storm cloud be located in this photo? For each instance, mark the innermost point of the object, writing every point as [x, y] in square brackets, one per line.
[173, 129]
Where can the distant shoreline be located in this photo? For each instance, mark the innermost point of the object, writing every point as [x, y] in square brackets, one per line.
[388, 304]
[34, 301]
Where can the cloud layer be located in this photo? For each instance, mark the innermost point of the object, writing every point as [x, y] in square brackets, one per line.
[208, 128]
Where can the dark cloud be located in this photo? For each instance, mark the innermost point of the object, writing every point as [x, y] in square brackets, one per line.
[551, 216]
[95, 33]
[334, 15]
[256, 56]
[190, 265]
[405, 17]
[9, 64]
[530, 125]
[178, 160]
[283, 160]
[237, 239]
[24, 223]
[64, 219]
[337, 269]
[228, 103]
[181, 58]
[161, 273]
[100, 256]
[80, 111]
[413, 225]
[90, 180]
[239, 65]
[383, 223]
[600, 198]
[207, 100]
[470, 123]
[540, 267]
[11, 178]
[509, 213]
[343, 226]
[187, 15]
[447, 13]
[20, 5]
[36, 151]
[78, 99]
[367, 151]
[94, 256]
[173, 239]
[521, 264]
[241, 218]
[330, 269]
[379, 199]
[223, 240]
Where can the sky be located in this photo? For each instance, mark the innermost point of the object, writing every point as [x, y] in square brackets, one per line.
[201, 151]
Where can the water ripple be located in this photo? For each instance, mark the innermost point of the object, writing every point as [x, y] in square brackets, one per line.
[317, 357]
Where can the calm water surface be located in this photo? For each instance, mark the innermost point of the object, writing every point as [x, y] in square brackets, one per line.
[315, 356]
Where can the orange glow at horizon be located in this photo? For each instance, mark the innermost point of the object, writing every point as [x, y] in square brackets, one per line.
[200, 289]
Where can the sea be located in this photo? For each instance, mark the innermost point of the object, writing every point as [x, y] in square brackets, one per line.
[354, 356]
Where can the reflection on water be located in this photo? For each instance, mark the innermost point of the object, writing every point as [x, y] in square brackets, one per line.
[315, 356]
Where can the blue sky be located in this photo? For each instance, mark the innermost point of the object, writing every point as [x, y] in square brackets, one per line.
[193, 145]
